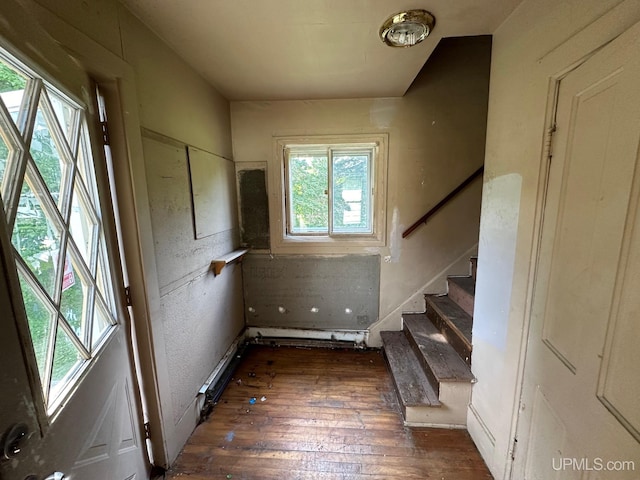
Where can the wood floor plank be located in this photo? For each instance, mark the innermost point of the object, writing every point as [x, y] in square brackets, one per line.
[319, 414]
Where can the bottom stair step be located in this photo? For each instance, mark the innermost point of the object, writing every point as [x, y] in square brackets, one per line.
[421, 404]
[411, 382]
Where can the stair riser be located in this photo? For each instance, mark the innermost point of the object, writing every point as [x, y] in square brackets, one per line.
[434, 417]
[452, 336]
[455, 394]
[452, 414]
[461, 297]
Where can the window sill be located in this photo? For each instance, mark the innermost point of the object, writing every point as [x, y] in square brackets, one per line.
[335, 244]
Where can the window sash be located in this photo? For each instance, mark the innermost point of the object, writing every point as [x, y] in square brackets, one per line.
[329, 155]
[364, 203]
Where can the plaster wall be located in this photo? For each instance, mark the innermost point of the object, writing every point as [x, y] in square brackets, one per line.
[541, 39]
[193, 316]
[436, 139]
[198, 315]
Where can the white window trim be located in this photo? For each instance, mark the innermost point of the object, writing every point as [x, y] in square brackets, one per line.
[281, 242]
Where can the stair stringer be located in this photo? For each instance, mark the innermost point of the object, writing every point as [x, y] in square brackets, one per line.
[416, 303]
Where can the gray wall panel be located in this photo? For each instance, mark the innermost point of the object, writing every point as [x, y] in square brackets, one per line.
[316, 292]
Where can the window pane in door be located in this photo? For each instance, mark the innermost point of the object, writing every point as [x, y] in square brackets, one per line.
[83, 223]
[40, 320]
[85, 165]
[76, 294]
[12, 85]
[4, 159]
[103, 282]
[66, 359]
[36, 234]
[65, 114]
[308, 185]
[102, 322]
[49, 156]
[351, 193]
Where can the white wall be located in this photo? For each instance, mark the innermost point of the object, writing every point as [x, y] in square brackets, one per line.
[436, 139]
[540, 39]
[193, 317]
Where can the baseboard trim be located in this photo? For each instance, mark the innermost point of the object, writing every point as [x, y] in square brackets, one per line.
[353, 336]
[485, 429]
[482, 437]
[222, 365]
[448, 426]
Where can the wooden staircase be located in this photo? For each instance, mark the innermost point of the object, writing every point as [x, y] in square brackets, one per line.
[430, 358]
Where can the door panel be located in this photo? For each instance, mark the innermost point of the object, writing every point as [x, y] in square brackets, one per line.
[619, 391]
[581, 389]
[67, 371]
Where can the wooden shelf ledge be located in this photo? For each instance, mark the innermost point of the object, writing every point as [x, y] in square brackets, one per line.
[219, 263]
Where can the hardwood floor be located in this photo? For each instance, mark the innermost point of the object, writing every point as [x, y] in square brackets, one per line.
[292, 413]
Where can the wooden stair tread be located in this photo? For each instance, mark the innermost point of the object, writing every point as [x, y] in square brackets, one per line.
[459, 320]
[412, 384]
[467, 283]
[443, 361]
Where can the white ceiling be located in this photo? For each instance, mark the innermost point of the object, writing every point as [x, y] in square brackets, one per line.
[307, 49]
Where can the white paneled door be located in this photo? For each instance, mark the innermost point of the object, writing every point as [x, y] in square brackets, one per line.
[580, 410]
[69, 402]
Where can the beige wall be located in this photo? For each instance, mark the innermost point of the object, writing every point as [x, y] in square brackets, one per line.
[542, 38]
[174, 100]
[200, 315]
[436, 139]
[193, 316]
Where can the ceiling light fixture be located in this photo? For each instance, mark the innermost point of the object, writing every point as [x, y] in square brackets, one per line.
[406, 29]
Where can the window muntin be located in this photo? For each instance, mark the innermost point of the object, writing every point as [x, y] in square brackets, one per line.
[329, 189]
[50, 199]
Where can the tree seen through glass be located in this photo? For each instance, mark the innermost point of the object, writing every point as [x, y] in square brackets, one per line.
[308, 187]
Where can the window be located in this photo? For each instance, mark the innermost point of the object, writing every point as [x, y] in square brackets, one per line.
[49, 193]
[329, 190]
[332, 190]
